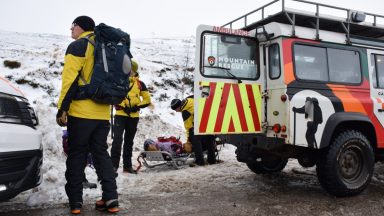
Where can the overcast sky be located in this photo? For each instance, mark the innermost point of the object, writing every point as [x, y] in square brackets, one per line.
[140, 18]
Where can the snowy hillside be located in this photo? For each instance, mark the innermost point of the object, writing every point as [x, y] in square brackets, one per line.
[165, 65]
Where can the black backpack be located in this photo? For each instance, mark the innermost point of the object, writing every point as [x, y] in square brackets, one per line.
[109, 81]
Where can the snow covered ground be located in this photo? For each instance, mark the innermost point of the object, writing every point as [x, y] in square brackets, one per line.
[164, 63]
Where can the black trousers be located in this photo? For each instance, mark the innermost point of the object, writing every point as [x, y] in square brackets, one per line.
[200, 143]
[84, 136]
[121, 124]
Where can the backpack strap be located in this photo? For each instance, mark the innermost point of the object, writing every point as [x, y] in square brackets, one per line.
[88, 38]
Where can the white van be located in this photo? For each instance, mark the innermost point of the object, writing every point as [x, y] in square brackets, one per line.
[21, 152]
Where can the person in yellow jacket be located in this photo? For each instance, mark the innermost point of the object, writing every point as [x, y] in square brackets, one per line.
[87, 122]
[127, 119]
[187, 112]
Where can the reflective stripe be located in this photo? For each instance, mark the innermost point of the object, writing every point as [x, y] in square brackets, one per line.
[230, 108]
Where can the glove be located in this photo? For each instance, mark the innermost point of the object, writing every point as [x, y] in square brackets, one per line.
[129, 110]
[118, 107]
[135, 109]
[61, 118]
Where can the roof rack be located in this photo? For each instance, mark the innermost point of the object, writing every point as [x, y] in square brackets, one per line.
[312, 20]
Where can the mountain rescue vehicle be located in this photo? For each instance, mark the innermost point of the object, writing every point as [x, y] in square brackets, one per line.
[296, 84]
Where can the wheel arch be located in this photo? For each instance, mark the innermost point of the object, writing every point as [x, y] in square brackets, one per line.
[348, 120]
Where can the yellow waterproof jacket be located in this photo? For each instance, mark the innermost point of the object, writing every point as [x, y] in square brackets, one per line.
[187, 113]
[137, 90]
[79, 58]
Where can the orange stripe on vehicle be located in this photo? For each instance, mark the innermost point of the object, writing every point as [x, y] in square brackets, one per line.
[222, 108]
[350, 103]
[288, 73]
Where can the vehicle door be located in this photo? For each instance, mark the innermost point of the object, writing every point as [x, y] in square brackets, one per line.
[376, 75]
[228, 83]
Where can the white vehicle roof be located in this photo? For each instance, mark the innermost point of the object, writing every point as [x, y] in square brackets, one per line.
[7, 88]
[348, 22]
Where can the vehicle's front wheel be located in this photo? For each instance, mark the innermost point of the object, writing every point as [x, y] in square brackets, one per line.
[267, 165]
[346, 167]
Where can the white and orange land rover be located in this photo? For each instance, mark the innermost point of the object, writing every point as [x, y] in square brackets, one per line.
[296, 84]
[21, 152]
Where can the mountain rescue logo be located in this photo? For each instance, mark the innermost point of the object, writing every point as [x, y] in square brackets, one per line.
[211, 60]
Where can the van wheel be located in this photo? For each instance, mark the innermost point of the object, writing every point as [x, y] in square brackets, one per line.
[268, 165]
[346, 167]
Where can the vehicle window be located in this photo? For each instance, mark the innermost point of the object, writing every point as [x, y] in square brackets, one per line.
[372, 70]
[9, 109]
[229, 57]
[310, 62]
[380, 71]
[344, 66]
[274, 61]
[327, 64]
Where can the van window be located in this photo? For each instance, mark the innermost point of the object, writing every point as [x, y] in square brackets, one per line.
[377, 63]
[274, 61]
[344, 66]
[228, 56]
[327, 64]
[311, 62]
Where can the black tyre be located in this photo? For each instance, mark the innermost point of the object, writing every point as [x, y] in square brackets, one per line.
[346, 168]
[268, 165]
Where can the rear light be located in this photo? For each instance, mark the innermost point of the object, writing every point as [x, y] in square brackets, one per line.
[283, 97]
[276, 128]
[283, 128]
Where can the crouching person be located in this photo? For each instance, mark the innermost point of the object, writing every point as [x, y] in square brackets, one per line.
[187, 111]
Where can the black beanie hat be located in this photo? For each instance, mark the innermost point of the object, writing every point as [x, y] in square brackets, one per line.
[85, 22]
[175, 103]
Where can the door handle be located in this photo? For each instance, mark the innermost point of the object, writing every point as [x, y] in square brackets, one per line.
[381, 110]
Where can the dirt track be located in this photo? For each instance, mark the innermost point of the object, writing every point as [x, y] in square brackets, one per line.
[288, 193]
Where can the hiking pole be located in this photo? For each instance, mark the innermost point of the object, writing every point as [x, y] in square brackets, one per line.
[112, 122]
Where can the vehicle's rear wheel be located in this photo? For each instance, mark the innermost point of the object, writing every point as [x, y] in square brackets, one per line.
[269, 164]
[346, 168]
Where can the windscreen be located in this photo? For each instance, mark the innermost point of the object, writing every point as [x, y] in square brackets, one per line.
[229, 57]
